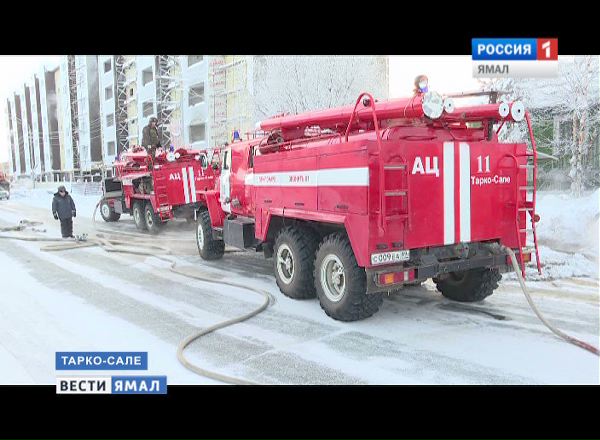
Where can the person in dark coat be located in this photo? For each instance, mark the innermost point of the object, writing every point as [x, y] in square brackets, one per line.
[63, 209]
[150, 138]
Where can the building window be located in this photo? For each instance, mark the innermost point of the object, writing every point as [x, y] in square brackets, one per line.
[110, 150]
[197, 132]
[147, 109]
[108, 93]
[110, 120]
[147, 76]
[107, 66]
[196, 94]
[194, 59]
[131, 91]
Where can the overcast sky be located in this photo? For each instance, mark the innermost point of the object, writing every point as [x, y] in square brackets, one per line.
[446, 74]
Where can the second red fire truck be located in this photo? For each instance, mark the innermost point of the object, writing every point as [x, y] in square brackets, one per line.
[155, 190]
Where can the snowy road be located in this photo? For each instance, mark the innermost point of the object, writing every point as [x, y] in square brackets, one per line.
[89, 300]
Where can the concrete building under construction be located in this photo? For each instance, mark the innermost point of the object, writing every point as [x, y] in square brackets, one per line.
[70, 121]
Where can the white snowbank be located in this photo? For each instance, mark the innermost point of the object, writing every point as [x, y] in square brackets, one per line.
[557, 265]
[569, 224]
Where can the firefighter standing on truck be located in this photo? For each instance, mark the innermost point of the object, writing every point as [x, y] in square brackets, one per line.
[150, 139]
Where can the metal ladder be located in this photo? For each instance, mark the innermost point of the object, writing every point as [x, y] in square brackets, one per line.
[384, 192]
[160, 190]
[391, 167]
[523, 204]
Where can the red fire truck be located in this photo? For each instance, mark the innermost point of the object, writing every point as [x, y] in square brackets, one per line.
[385, 194]
[153, 191]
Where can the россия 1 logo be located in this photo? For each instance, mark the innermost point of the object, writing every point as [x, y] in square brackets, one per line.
[515, 57]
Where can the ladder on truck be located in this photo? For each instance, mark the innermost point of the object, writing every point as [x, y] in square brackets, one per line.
[160, 191]
[523, 203]
[385, 169]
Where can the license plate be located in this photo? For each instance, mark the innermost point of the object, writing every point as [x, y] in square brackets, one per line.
[389, 257]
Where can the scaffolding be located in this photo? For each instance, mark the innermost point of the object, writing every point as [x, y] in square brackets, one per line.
[167, 103]
[121, 103]
[72, 72]
[218, 100]
[230, 99]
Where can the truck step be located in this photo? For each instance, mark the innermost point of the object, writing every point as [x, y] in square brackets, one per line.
[527, 167]
[394, 167]
[526, 188]
[395, 193]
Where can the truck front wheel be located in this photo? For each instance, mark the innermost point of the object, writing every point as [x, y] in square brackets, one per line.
[138, 216]
[208, 247]
[341, 284]
[293, 261]
[470, 285]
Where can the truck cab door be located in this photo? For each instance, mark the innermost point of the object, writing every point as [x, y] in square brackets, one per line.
[225, 181]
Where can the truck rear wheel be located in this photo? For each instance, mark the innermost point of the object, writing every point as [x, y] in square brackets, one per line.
[208, 247]
[293, 261]
[153, 222]
[341, 284]
[138, 216]
[108, 213]
[470, 285]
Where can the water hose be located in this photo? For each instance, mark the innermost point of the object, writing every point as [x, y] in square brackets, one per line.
[553, 329]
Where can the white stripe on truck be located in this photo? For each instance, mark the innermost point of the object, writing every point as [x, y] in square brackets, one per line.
[192, 184]
[185, 185]
[465, 192]
[310, 178]
[448, 159]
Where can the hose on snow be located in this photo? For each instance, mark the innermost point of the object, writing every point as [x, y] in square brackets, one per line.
[149, 250]
[552, 328]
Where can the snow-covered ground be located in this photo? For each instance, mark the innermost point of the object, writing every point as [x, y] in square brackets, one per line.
[89, 300]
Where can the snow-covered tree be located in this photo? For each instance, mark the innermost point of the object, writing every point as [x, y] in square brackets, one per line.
[573, 96]
[295, 84]
[578, 98]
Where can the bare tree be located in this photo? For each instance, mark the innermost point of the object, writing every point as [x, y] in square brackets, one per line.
[579, 98]
[573, 96]
[295, 84]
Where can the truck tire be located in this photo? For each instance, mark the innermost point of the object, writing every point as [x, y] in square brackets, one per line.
[469, 286]
[138, 216]
[293, 261]
[340, 283]
[152, 220]
[108, 213]
[208, 247]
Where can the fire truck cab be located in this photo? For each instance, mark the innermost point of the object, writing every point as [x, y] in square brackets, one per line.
[383, 196]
